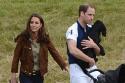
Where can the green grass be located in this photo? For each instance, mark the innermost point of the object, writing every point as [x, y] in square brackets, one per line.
[58, 16]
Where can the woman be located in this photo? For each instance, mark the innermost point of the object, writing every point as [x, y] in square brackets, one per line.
[31, 50]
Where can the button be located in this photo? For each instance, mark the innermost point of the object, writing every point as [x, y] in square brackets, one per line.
[33, 74]
[30, 73]
[34, 71]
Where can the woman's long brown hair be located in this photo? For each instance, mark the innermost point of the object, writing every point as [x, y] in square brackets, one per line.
[42, 33]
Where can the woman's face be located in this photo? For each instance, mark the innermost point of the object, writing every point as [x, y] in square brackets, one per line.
[35, 24]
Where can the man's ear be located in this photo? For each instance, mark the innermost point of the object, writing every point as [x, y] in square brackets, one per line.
[82, 13]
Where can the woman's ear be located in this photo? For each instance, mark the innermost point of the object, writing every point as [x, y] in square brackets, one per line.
[41, 25]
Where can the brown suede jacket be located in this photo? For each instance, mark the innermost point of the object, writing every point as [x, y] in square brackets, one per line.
[23, 53]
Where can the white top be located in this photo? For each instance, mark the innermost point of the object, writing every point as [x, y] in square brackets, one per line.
[72, 32]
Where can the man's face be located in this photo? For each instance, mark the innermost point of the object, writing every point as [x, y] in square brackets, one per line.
[89, 15]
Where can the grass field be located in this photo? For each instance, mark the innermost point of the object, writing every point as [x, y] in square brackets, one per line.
[58, 16]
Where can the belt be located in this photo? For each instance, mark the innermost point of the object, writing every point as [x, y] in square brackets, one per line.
[33, 73]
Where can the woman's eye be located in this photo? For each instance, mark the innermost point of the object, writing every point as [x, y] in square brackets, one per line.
[31, 22]
[36, 23]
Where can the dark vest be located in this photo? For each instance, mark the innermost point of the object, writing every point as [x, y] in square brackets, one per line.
[90, 52]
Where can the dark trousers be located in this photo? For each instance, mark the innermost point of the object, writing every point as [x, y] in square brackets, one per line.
[24, 78]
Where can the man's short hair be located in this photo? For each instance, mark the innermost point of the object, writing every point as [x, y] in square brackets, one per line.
[84, 7]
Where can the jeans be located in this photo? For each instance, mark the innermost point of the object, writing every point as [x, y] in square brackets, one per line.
[24, 78]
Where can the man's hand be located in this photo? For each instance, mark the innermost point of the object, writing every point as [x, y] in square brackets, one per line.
[91, 62]
[88, 43]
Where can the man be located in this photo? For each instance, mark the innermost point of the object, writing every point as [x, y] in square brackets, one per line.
[76, 38]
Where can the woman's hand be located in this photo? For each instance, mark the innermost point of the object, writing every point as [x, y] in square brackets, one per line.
[66, 68]
[13, 78]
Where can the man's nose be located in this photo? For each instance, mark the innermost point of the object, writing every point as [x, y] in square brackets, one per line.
[92, 17]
